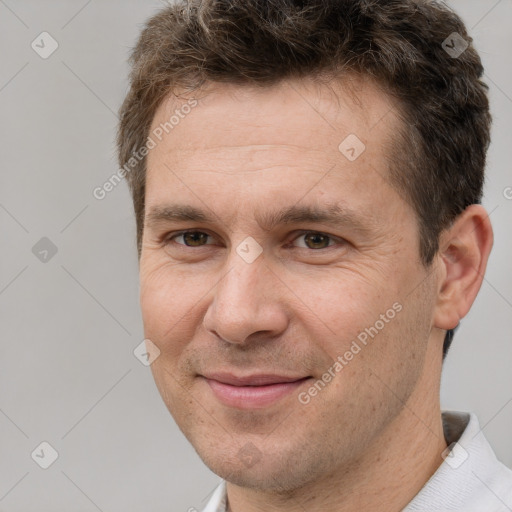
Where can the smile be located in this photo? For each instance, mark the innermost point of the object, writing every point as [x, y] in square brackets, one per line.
[253, 392]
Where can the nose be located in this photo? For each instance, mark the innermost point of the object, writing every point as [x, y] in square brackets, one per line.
[247, 302]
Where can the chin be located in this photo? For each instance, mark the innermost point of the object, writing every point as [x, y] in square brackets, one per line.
[249, 468]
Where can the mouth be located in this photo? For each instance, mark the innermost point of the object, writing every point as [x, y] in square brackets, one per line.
[254, 391]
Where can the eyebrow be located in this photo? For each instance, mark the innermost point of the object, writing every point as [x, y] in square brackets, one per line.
[332, 214]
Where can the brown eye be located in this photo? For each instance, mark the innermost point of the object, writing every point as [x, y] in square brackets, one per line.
[191, 238]
[315, 240]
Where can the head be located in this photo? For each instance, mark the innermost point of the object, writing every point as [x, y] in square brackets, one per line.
[327, 160]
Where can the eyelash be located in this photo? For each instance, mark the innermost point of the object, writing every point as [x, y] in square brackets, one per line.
[168, 239]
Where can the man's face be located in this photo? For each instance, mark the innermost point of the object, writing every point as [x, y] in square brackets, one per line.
[245, 340]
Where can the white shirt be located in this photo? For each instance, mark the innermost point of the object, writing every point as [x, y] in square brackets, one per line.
[470, 479]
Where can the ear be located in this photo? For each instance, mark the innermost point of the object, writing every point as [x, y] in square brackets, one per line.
[463, 253]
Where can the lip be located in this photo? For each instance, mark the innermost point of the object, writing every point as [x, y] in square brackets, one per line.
[253, 391]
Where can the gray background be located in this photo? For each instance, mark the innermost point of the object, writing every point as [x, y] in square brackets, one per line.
[68, 375]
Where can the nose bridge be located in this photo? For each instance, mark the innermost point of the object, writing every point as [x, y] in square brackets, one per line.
[242, 301]
[247, 269]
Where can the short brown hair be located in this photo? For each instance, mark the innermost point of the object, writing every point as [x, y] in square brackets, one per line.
[403, 45]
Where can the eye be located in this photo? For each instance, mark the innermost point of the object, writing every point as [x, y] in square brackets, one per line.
[313, 240]
[316, 240]
[190, 238]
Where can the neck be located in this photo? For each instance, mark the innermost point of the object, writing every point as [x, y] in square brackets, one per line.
[386, 477]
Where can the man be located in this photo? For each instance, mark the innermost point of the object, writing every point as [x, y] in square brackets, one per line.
[307, 178]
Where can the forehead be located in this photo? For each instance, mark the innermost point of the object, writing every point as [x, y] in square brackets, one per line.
[257, 145]
[309, 114]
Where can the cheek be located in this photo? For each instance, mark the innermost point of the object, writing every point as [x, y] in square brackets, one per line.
[342, 306]
[168, 304]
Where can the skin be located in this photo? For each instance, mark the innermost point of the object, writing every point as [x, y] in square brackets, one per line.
[373, 436]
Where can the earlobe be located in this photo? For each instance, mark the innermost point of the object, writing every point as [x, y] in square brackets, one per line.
[463, 254]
